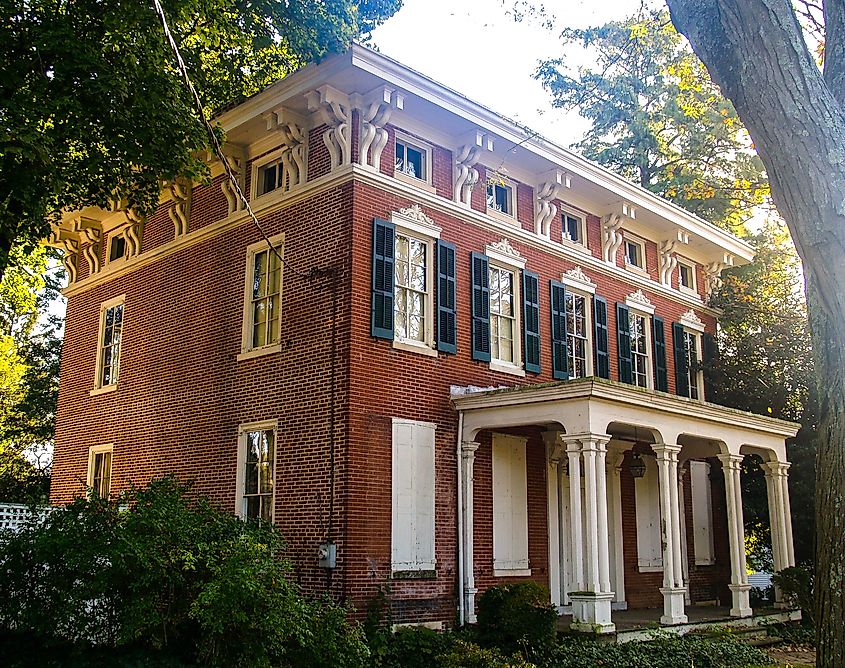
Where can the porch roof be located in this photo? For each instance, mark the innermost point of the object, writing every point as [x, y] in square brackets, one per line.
[599, 406]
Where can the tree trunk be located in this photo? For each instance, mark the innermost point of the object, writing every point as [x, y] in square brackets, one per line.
[755, 52]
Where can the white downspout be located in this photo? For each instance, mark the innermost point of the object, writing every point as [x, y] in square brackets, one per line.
[460, 509]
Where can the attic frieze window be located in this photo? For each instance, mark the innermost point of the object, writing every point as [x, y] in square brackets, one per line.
[500, 197]
[574, 229]
[634, 254]
[412, 160]
[271, 176]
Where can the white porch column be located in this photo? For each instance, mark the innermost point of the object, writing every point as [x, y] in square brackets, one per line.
[731, 464]
[553, 455]
[468, 449]
[591, 605]
[673, 582]
[614, 499]
[787, 513]
[573, 452]
[779, 518]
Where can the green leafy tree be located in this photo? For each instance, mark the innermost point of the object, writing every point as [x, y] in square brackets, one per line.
[92, 110]
[656, 117]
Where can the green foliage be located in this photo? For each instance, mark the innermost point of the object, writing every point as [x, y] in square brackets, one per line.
[468, 655]
[796, 583]
[414, 647]
[515, 616]
[692, 651]
[657, 118]
[94, 111]
[167, 574]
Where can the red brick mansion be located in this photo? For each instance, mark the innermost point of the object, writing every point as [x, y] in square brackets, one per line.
[463, 356]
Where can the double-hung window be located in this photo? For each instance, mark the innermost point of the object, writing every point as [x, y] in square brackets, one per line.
[572, 325]
[412, 289]
[640, 367]
[99, 470]
[503, 315]
[262, 297]
[577, 331]
[256, 471]
[687, 338]
[641, 343]
[109, 347]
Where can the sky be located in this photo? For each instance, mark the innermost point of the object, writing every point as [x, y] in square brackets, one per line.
[478, 49]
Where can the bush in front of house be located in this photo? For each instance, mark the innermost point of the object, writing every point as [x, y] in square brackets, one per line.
[513, 617]
[161, 571]
[796, 583]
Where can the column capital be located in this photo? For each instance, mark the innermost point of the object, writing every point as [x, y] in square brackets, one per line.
[468, 448]
[776, 469]
[666, 451]
[586, 442]
[731, 461]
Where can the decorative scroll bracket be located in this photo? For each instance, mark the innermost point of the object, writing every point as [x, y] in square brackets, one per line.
[334, 110]
[294, 135]
[375, 109]
[180, 210]
[467, 154]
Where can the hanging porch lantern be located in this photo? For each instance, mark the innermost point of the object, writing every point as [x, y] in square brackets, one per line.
[637, 466]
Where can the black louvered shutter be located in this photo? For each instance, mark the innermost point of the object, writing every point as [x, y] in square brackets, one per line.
[623, 344]
[601, 338]
[710, 359]
[560, 359]
[681, 366]
[531, 320]
[661, 377]
[384, 239]
[447, 336]
[480, 308]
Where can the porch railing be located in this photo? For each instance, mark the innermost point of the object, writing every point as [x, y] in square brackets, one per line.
[13, 516]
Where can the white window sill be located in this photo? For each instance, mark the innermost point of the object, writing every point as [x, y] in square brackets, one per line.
[507, 367]
[511, 572]
[650, 569]
[705, 562]
[414, 347]
[575, 245]
[634, 269]
[414, 181]
[259, 352]
[504, 217]
[689, 291]
[105, 389]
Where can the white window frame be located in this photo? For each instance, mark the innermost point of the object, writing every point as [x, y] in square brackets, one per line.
[690, 290]
[647, 313]
[257, 165]
[510, 513]
[649, 519]
[423, 528]
[641, 244]
[695, 375]
[113, 236]
[702, 514]
[99, 387]
[588, 325]
[498, 180]
[428, 234]
[93, 452]
[247, 350]
[240, 476]
[428, 152]
[513, 263]
[582, 228]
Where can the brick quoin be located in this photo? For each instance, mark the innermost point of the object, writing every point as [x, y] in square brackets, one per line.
[182, 392]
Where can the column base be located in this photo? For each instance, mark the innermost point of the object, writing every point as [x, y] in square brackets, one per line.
[741, 606]
[591, 612]
[673, 606]
[469, 605]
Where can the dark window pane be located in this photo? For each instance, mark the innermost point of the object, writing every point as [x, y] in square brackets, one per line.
[415, 163]
[269, 181]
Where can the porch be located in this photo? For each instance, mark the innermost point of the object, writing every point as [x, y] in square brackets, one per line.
[633, 499]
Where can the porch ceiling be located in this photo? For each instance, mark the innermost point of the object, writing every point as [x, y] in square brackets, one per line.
[592, 405]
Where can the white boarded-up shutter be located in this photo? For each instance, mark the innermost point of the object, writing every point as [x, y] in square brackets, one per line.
[412, 534]
[702, 513]
[510, 504]
[649, 539]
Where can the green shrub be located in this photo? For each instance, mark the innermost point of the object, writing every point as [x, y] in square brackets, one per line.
[414, 647]
[167, 573]
[469, 655]
[516, 617]
[796, 583]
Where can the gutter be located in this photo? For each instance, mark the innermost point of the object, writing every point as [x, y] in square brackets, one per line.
[461, 610]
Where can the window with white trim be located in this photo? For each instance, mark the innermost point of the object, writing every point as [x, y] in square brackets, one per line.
[695, 374]
[262, 326]
[640, 348]
[634, 253]
[412, 159]
[647, 500]
[510, 506]
[256, 471]
[269, 176]
[412, 303]
[702, 513]
[578, 328]
[412, 526]
[109, 347]
[117, 247]
[500, 197]
[686, 277]
[574, 229]
[504, 315]
[99, 470]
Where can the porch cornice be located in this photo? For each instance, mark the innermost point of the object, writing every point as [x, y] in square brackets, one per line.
[620, 393]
